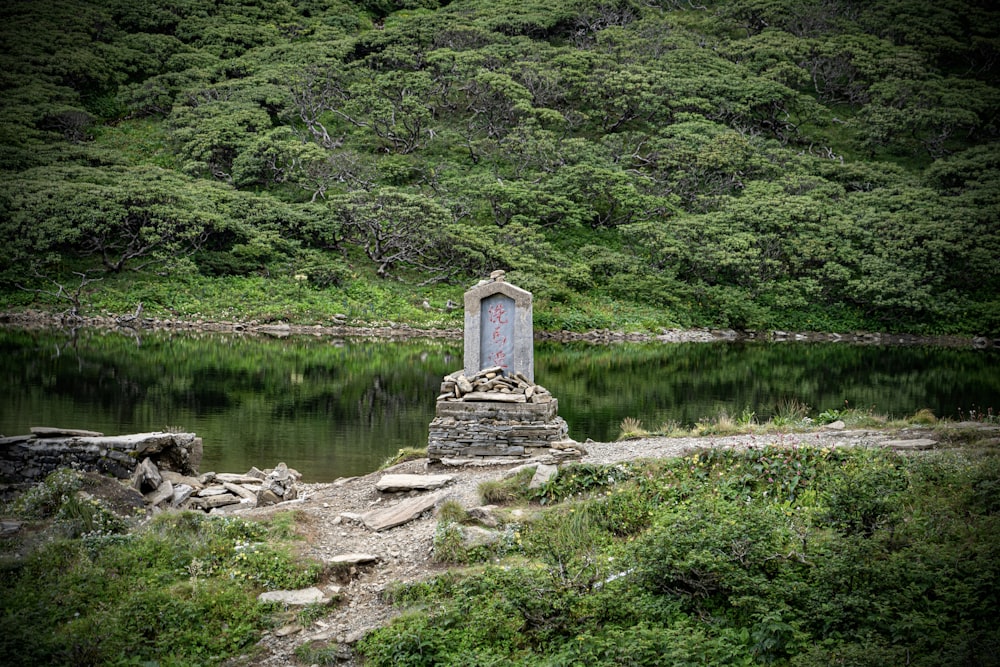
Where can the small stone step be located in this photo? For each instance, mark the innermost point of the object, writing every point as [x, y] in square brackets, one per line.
[404, 512]
[911, 445]
[402, 482]
[353, 559]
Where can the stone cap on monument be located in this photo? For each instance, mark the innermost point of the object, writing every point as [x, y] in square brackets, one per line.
[498, 328]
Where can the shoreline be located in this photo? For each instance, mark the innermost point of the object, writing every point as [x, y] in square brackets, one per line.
[32, 319]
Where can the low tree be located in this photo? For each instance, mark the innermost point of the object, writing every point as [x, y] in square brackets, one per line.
[395, 229]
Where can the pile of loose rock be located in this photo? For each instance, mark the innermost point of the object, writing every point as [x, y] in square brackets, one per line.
[490, 384]
[493, 414]
[215, 492]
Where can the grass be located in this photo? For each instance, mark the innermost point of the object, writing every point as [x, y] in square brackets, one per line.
[100, 589]
[403, 455]
[507, 490]
[790, 416]
[631, 429]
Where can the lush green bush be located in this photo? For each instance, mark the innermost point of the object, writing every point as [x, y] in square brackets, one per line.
[180, 591]
[636, 166]
[787, 555]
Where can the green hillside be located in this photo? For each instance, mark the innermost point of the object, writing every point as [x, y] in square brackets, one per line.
[817, 164]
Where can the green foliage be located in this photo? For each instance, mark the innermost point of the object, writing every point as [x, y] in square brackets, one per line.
[182, 589]
[403, 455]
[774, 555]
[44, 499]
[508, 489]
[739, 164]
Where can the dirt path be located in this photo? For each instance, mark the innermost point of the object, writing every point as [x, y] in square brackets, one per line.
[405, 552]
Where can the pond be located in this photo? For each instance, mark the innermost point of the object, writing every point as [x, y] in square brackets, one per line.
[339, 407]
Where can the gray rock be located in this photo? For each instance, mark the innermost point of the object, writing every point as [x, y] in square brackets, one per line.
[304, 596]
[181, 493]
[208, 491]
[484, 515]
[240, 490]
[267, 497]
[177, 478]
[353, 559]
[9, 527]
[49, 432]
[404, 512]
[146, 476]
[911, 445]
[164, 492]
[543, 473]
[215, 501]
[400, 482]
[835, 426]
[495, 397]
[234, 478]
[477, 536]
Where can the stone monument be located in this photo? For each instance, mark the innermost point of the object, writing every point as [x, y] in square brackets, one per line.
[492, 407]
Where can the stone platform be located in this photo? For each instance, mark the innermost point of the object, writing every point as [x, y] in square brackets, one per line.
[469, 429]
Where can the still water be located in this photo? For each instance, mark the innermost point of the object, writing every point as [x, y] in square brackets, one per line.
[339, 407]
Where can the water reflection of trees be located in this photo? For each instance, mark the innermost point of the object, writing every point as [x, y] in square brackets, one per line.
[316, 394]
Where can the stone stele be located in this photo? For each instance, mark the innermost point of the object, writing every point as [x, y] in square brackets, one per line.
[498, 328]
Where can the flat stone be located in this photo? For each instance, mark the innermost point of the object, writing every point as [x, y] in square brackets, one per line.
[494, 397]
[404, 512]
[303, 596]
[543, 473]
[16, 439]
[353, 559]
[9, 527]
[236, 478]
[400, 482]
[288, 630]
[241, 491]
[911, 445]
[212, 491]
[465, 411]
[217, 501]
[176, 478]
[164, 492]
[835, 426]
[181, 493]
[50, 432]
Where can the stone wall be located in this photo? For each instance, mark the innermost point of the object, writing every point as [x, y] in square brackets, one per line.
[491, 415]
[29, 458]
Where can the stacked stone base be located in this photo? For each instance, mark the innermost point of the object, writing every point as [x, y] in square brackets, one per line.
[29, 458]
[471, 429]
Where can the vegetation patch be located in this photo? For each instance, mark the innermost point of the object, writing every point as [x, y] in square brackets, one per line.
[180, 589]
[774, 555]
